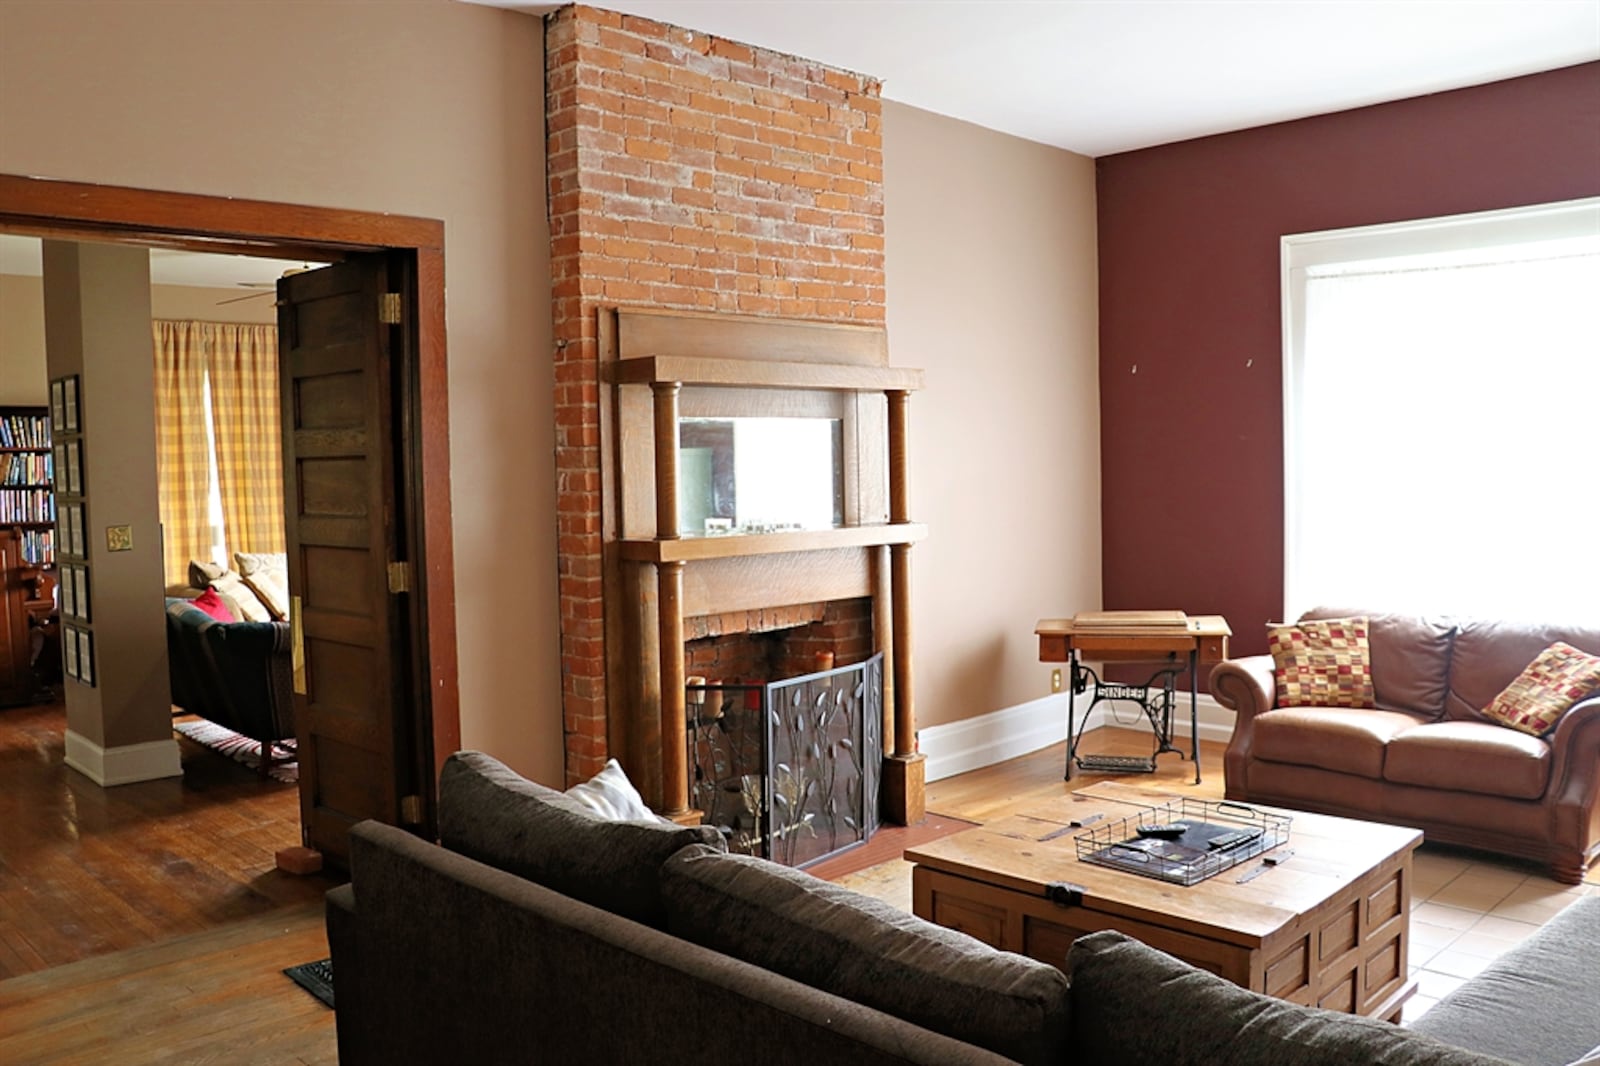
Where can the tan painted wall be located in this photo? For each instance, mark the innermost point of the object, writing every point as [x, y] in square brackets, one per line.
[22, 373]
[992, 289]
[97, 310]
[429, 108]
[200, 304]
[23, 378]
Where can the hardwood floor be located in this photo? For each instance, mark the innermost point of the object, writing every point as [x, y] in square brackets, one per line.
[214, 997]
[86, 870]
[1005, 788]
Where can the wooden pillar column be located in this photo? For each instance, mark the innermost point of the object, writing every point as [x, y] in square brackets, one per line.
[669, 576]
[904, 770]
[883, 639]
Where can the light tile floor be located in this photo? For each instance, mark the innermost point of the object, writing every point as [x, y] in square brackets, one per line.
[1466, 909]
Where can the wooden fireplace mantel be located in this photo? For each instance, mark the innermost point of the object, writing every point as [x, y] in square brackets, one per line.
[654, 575]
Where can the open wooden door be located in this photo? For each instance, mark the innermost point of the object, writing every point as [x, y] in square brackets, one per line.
[342, 339]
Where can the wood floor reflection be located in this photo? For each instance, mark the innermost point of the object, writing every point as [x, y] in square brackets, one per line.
[86, 870]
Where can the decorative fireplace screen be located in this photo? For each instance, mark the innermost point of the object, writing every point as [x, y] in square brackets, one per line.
[790, 770]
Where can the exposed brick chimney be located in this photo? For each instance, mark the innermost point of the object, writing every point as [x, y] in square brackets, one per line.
[685, 172]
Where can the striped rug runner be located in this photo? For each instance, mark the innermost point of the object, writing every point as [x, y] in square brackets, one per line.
[242, 749]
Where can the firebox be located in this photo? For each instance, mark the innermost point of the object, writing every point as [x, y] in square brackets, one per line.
[789, 770]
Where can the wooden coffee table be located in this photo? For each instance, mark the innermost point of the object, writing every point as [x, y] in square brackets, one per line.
[1328, 927]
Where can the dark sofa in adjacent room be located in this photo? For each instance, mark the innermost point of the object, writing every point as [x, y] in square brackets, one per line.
[237, 674]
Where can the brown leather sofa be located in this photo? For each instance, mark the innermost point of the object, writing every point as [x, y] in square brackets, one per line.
[1426, 756]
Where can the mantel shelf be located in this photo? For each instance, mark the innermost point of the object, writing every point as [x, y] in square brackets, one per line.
[690, 549]
[762, 373]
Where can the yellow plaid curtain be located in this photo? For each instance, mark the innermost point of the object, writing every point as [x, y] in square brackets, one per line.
[183, 463]
[245, 415]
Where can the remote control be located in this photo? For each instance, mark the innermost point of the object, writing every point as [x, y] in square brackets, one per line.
[1232, 840]
[1170, 831]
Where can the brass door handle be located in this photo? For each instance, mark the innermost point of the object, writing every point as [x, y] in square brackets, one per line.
[297, 640]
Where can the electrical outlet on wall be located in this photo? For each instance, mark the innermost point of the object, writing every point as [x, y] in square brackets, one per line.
[1055, 680]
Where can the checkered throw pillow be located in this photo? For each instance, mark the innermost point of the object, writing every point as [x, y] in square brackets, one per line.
[1322, 663]
[1533, 703]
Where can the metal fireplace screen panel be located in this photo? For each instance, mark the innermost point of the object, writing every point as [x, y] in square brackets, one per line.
[1204, 838]
[790, 771]
[824, 740]
[728, 758]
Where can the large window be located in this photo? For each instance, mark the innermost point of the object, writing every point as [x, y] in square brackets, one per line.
[1442, 415]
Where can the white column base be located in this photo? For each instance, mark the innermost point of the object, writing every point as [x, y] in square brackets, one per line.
[149, 761]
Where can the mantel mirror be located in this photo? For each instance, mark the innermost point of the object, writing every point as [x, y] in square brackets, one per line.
[741, 475]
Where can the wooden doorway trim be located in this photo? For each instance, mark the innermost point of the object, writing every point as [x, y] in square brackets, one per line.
[69, 210]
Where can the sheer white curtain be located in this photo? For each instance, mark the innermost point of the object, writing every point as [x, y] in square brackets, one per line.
[1446, 435]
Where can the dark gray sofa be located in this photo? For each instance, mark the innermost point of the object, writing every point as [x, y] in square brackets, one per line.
[1539, 1003]
[239, 675]
[649, 944]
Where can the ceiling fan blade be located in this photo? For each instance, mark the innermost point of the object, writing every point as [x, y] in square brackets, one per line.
[250, 296]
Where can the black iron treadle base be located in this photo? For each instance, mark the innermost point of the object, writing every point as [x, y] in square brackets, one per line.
[1118, 764]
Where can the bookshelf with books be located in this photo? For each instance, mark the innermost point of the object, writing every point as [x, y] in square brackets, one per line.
[27, 494]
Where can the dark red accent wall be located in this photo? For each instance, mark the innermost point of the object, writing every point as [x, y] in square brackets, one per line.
[1190, 342]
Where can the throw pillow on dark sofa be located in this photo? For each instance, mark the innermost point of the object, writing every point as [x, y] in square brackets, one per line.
[489, 812]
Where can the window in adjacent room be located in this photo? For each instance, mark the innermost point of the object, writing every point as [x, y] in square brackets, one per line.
[1442, 415]
[218, 444]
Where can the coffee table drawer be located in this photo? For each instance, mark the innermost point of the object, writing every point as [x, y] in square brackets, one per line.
[1042, 930]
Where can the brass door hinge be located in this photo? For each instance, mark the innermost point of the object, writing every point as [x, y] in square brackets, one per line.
[399, 578]
[390, 309]
[411, 810]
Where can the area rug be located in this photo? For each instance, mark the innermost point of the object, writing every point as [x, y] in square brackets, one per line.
[242, 749]
[316, 978]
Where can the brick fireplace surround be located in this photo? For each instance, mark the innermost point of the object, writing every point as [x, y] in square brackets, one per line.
[692, 173]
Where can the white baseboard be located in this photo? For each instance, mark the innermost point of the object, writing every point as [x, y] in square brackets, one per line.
[974, 743]
[106, 767]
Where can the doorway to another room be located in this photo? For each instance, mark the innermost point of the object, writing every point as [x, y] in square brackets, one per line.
[386, 767]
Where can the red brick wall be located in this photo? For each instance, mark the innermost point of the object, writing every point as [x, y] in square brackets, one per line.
[688, 172]
[755, 647]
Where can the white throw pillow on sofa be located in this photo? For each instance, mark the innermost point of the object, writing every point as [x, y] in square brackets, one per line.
[245, 604]
[610, 795]
[267, 576]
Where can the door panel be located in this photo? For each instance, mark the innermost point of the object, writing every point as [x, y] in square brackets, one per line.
[353, 706]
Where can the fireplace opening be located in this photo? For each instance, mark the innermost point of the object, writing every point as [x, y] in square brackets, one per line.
[790, 770]
[785, 727]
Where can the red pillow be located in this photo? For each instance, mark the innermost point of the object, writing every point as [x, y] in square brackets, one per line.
[211, 603]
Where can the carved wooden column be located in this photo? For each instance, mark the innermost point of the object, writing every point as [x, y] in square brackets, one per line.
[883, 638]
[904, 770]
[669, 576]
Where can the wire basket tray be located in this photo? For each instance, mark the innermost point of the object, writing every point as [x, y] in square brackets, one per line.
[1215, 835]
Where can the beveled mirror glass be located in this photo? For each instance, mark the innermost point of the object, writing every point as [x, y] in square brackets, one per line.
[759, 475]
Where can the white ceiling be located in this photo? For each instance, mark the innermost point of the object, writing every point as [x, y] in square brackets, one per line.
[1104, 76]
[1094, 76]
[168, 266]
